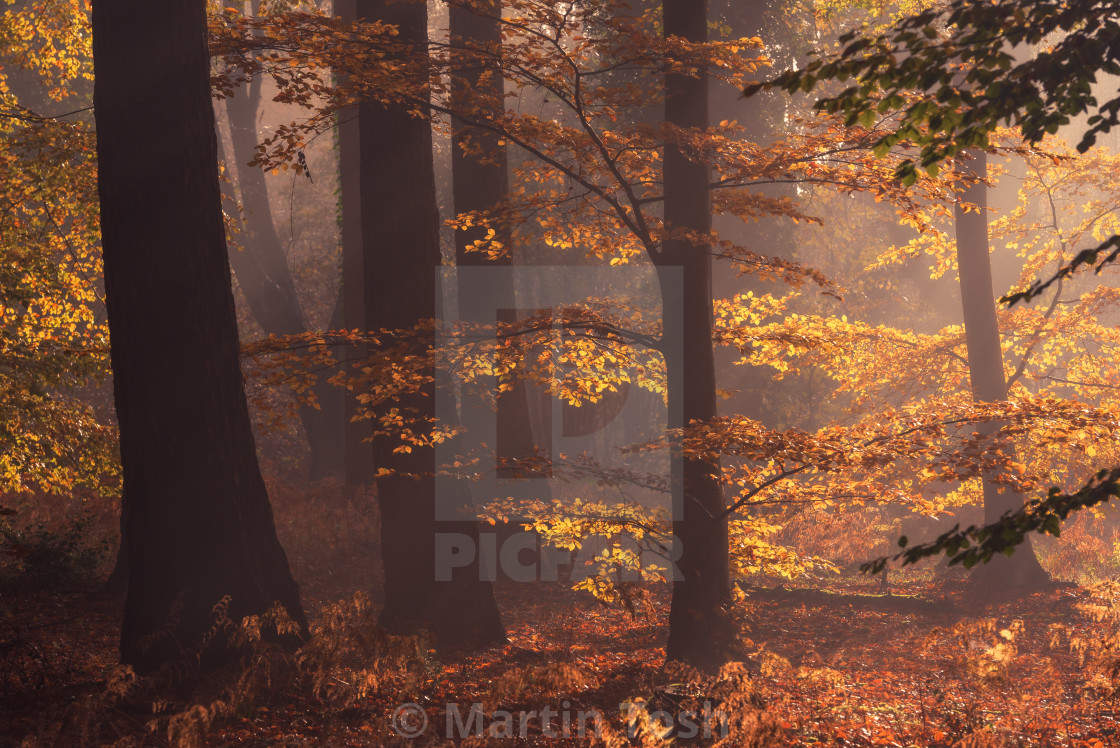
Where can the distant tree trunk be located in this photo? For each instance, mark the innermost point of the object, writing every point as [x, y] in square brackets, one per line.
[759, 395]
[400, 231]
[264, 275]
[698, 631]
[198, 525]
[481, 185]
[117, 583]
[985, 369]
[271, 292]
[358, 459]
[477, 185]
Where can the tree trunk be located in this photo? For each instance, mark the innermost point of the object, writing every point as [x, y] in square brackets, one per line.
[271, 292]
[400, 230]
[985, 370]
[199, 528]
[264, 275]
[480, 186]
[357, 457]
[698, 621]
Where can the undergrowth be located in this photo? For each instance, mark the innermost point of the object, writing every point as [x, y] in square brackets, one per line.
[820, 669]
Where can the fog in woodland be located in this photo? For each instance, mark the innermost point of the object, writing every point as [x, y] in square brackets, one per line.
[521, 372]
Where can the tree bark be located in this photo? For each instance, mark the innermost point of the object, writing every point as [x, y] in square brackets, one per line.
[358, 460]
[698, 621]
[400, 233]
[199, 528]
[985, 370]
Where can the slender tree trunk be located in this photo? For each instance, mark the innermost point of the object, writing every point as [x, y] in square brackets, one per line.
[117, 583]
[266, 279]
[400, 230]
[401, 247]
[985, 369]
[698, 630]
[199, 528]
[327, 434]
[271, 292]
[478, 185]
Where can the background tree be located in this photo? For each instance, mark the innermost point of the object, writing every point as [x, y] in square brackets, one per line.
[400, 235]
[985, 364]
[480, 183]
[358, 461]
[261, 267]
[56, 433]
[953, 73]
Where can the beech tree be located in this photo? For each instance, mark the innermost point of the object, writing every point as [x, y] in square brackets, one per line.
[867, 367]
[592, 178]
[400, 237]
[53, 338]
[985, 364]
[202, 546]
[952, 75]
[263, 273]
[480, 182]
[358, 462]
[701, 527]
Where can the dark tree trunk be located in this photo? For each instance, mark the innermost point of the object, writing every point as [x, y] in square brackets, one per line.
[477, 185]
[698, 621]
[199, 527]
[400, 230]
[266, 279]
[358, 460]
[985, 369]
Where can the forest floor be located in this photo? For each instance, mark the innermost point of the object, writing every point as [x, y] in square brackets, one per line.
[923, 666]
[831, 662]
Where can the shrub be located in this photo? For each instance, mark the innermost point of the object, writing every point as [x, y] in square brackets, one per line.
[45, 556]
